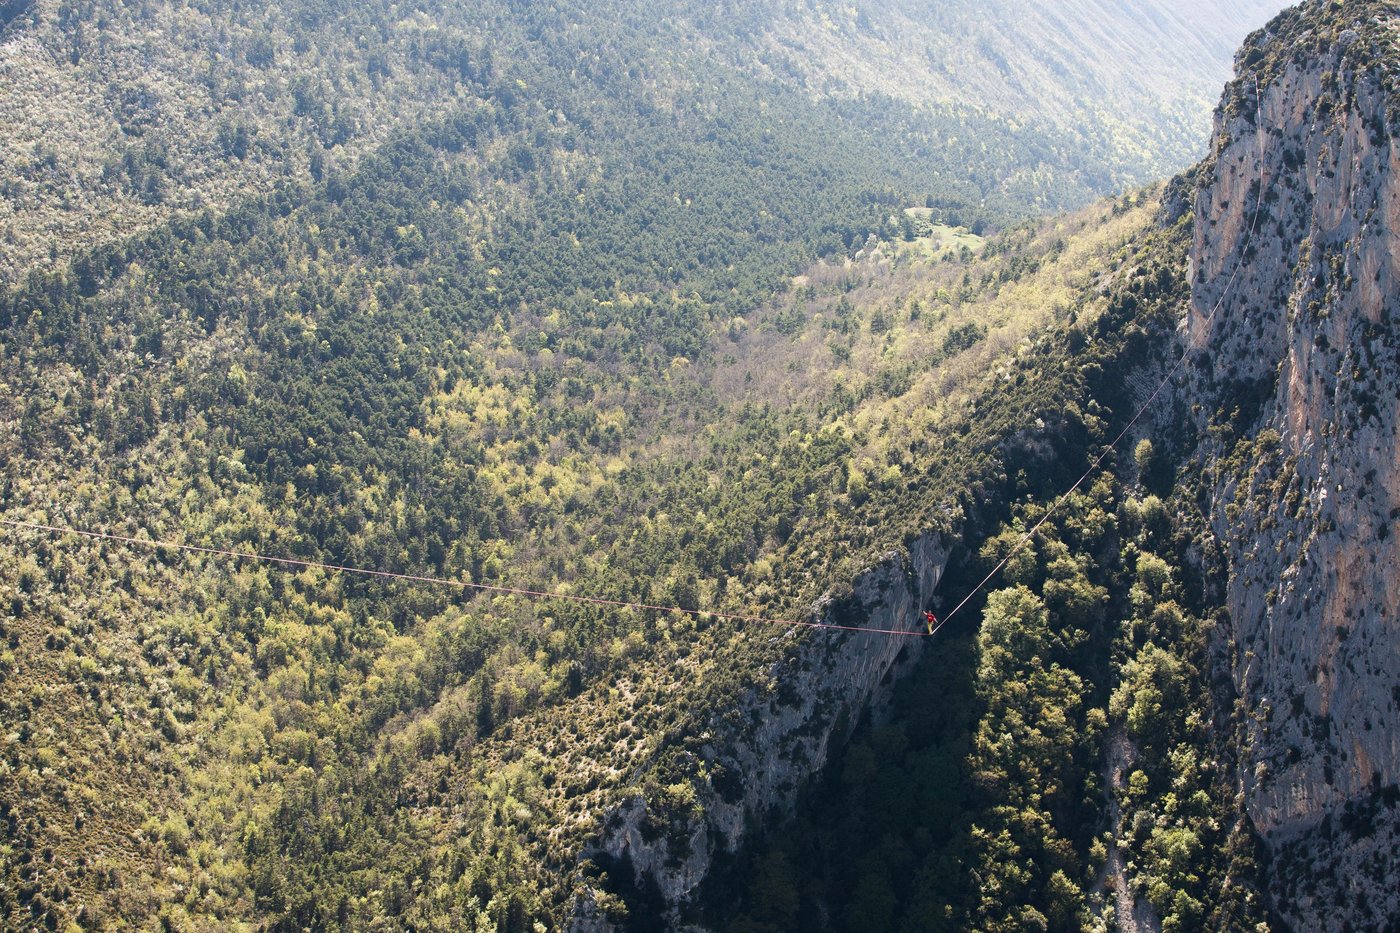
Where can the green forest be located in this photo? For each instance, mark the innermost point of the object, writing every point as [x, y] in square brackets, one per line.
[595, 316]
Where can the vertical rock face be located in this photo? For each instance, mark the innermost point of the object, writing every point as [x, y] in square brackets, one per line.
[760, 754]
[1297, 381]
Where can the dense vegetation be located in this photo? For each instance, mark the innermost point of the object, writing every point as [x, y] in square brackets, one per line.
[981, 803]
[116, 117]
[527, 455]
[542, 329]
[1060, 745]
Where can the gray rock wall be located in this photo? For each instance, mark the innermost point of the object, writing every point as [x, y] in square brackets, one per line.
[779, 737]
[1297, 379]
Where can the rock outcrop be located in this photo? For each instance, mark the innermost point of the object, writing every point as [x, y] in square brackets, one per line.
[758, 755]
[1294, 380]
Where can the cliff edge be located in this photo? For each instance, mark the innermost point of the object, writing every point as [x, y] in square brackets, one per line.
[1294, 384]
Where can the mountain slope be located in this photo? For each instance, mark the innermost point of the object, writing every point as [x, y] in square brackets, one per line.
[253, 695]
[487, 347]
[116, 118]
[544, 338]
[1061, 67]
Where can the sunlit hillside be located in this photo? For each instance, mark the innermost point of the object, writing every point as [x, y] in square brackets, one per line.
[227, 698]
[114, 117]
[534, 466]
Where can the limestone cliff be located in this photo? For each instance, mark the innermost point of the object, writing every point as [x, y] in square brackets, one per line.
[759, 755]
[1294, 383]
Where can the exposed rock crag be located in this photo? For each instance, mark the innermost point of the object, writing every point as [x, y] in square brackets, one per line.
[759, 755]
[1295, 382]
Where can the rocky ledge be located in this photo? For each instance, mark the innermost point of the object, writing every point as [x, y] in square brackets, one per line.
[756, 757]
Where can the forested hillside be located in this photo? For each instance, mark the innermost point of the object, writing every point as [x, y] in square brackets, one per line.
[609, 301]
[115, 117]
[632, 463]
[1051, 764]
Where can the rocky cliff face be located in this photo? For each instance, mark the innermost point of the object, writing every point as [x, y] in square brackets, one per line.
[760, 754]
[1294, 381]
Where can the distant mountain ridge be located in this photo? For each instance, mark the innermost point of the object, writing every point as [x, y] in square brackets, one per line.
[114, 118]
[1143, 72]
